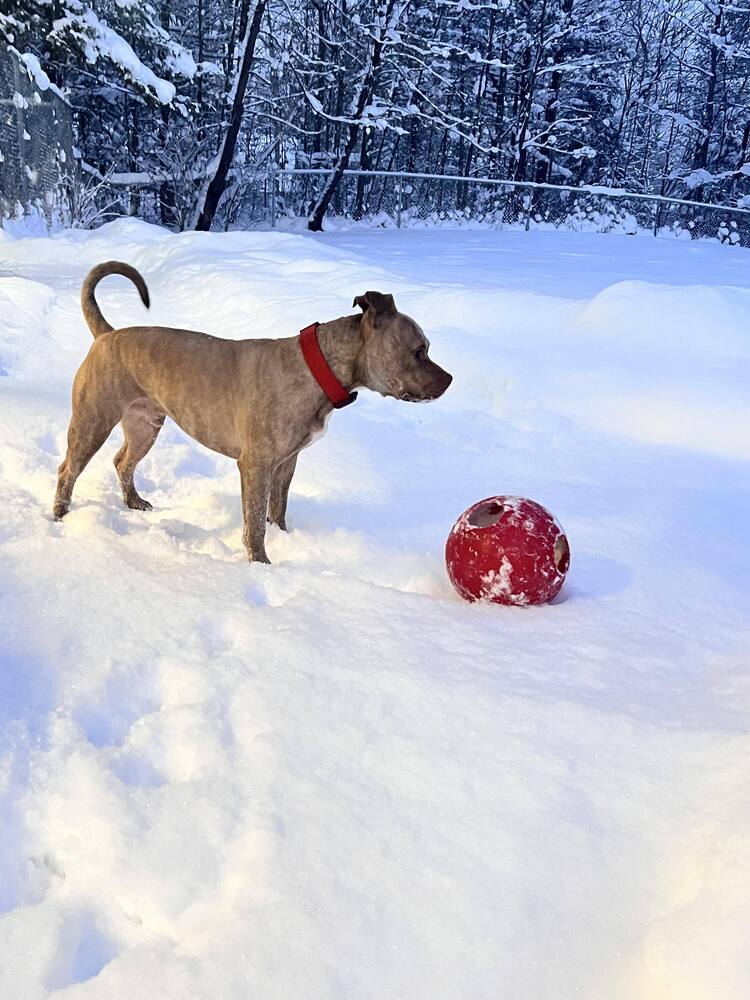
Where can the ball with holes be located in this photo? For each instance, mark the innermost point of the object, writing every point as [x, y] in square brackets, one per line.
[507, 550]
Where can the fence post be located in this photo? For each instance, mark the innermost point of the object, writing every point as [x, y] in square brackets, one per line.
[399, 193]
[272, 178]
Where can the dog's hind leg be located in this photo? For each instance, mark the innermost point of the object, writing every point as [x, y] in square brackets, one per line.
[282, 480]
[141, 424]
[89, 428]
[255, 478]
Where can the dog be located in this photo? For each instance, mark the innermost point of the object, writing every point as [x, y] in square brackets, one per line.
[259, 402]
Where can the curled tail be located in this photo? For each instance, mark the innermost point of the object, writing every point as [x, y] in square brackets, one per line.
[91, 311]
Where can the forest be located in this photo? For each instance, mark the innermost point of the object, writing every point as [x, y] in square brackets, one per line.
[192, 98]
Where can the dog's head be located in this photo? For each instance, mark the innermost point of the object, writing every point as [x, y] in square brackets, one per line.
[394, 359]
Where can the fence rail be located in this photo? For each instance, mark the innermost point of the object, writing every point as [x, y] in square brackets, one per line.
[601, 189]
[409, 198]
[389, 198]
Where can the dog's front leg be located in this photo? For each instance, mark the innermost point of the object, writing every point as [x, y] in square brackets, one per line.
[282, 480]
[255, 477]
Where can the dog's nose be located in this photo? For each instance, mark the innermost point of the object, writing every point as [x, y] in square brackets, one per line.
[440, 384]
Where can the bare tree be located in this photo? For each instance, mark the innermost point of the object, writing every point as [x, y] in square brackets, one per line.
[385, 25]
[216, 180]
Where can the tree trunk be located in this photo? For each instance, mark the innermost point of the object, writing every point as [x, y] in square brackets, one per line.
[216, 183]
[315, 222]
[552, 108]
[700, 157]
[167, 199]
[317, 141]
[362, 182]
[200, 55]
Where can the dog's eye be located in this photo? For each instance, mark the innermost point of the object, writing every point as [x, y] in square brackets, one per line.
[421, 354]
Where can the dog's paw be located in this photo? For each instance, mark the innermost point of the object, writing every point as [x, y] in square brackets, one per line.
[138, 503]
[260, 558]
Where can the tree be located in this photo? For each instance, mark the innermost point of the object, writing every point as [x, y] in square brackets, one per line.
[365, 111]
[216, 178]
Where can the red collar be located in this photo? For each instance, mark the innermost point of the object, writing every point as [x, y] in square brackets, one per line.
[321, 372]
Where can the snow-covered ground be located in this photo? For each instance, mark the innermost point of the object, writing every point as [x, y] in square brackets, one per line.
[330, 778]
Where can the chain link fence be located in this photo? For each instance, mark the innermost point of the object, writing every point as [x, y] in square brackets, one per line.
[36, 132]
[412, 199]
[36, 145]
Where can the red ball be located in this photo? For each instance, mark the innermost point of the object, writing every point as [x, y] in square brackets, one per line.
[508, 550]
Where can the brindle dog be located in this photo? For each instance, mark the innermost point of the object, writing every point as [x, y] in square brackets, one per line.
[253, 400]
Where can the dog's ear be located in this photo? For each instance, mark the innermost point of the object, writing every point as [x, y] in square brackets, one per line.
[377, 303]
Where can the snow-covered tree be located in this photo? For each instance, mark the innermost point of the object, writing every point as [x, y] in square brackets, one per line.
[179, 103]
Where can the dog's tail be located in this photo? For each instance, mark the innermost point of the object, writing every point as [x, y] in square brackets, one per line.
[91, 311]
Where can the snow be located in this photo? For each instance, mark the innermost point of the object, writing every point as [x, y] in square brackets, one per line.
[37, 74]
[330, 777]
[698, 178]
[180, 61]
[99, 39]
[35, 71]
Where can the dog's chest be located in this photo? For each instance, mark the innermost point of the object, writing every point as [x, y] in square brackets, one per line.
[317, 430]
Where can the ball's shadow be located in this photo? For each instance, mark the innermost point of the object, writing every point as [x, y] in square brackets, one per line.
[592, 577]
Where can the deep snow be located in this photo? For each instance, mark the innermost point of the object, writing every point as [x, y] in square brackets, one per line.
[330, 777]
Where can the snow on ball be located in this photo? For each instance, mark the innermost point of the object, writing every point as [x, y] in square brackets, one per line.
[507, 550]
